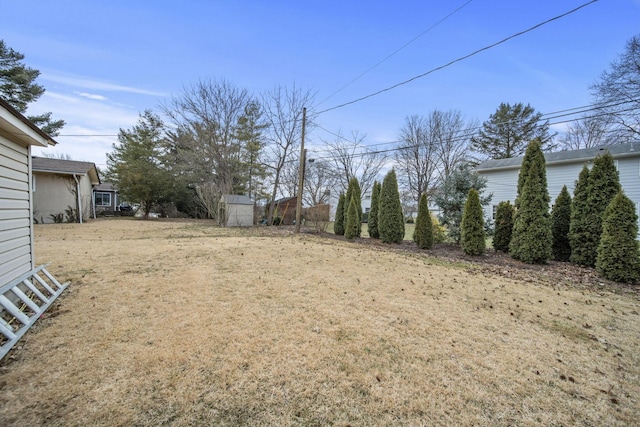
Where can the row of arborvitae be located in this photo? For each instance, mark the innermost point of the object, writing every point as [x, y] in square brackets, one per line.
[598, 228]
[386, 220]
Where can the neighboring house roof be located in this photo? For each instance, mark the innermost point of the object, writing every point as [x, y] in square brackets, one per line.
[65, 167]
[569, 156]
[284, 200]
[105, 186]
[15, 123]
[235, 199]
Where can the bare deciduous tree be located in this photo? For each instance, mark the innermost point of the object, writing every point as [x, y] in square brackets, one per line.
[319, 179]
[431, 148]
[283, 113]
[588, 132]
[216, 141]
[350, 158]
[619, 90]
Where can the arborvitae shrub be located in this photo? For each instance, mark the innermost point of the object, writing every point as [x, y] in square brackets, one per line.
[472, 237]
[352, 222]
[604, 184]
[423, 233]
[618, 257]
[390, 217]
[338, 225]
[353, 190]
[504, 226]
[531, 238]
[578, 227]
[374, 233]
[560, 221]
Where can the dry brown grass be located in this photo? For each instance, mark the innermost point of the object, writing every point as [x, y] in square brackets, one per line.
[183, 323]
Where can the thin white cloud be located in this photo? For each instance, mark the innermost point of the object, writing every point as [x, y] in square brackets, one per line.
[95, 84]
[92, 96]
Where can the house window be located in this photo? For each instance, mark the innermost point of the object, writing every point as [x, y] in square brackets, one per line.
[495, 208]
[103, 199]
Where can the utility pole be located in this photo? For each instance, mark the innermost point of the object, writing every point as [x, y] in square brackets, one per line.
[303, 155]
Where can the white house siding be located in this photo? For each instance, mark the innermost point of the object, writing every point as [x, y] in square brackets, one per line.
[503, 183]
[15, 217]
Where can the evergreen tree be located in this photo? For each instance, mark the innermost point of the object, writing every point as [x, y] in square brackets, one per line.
[531, 238]
[338, 224]
[352, 221]
[390, 217]
[504, 226]
[508, 131]
[604, 184]
[534, 152]
[472, 237]
[136, 164]
[452, 196]
[18, 88]
[374, 233]
[618, 257]
[578, 225]
[423, 233]
[353, 190]
[560, 221]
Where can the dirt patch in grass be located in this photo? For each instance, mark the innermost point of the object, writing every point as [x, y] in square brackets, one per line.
[184, 323]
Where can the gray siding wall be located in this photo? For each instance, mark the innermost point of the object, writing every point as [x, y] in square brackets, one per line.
[16, 255]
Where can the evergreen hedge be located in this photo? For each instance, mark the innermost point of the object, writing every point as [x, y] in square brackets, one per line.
[618, 257]
[504, 226]
[472, 237]
[352, 222]
[531, 238]
[374, 233]
[578, 229]
[560, 222]
[338, 224]
[390, 217]
[353, 190]
[604, 184]
[423, 232]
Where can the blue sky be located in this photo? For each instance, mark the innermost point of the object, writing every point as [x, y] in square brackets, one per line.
[103, 62]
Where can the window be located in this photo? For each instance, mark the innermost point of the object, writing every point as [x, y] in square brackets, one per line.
[495, 208]
[103, 199]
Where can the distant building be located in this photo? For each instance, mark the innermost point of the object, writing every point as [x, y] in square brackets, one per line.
[236, 210]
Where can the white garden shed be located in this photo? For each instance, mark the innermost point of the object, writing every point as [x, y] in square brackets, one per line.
[236, 210]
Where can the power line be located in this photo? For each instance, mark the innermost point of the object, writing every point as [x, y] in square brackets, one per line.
[462, 58]
[395, 52]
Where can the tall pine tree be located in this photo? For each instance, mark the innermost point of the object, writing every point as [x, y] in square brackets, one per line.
[390, 217]
[560, 221]
[531, 239]
[578, 227]
[472, 237]
[374, 232]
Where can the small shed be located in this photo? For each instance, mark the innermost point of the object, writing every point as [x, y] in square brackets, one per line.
[236, 210]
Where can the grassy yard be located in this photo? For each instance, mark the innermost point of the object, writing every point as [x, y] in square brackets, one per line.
[184, 323]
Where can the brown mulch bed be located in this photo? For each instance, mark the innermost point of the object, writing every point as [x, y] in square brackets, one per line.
[554, 273]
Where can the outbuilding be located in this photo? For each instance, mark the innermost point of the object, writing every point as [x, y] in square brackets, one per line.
[236, 210]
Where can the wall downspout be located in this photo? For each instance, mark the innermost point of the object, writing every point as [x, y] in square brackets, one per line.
[78, 193]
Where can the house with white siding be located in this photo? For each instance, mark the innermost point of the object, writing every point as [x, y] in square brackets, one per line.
[25, 290]
[563, 168]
